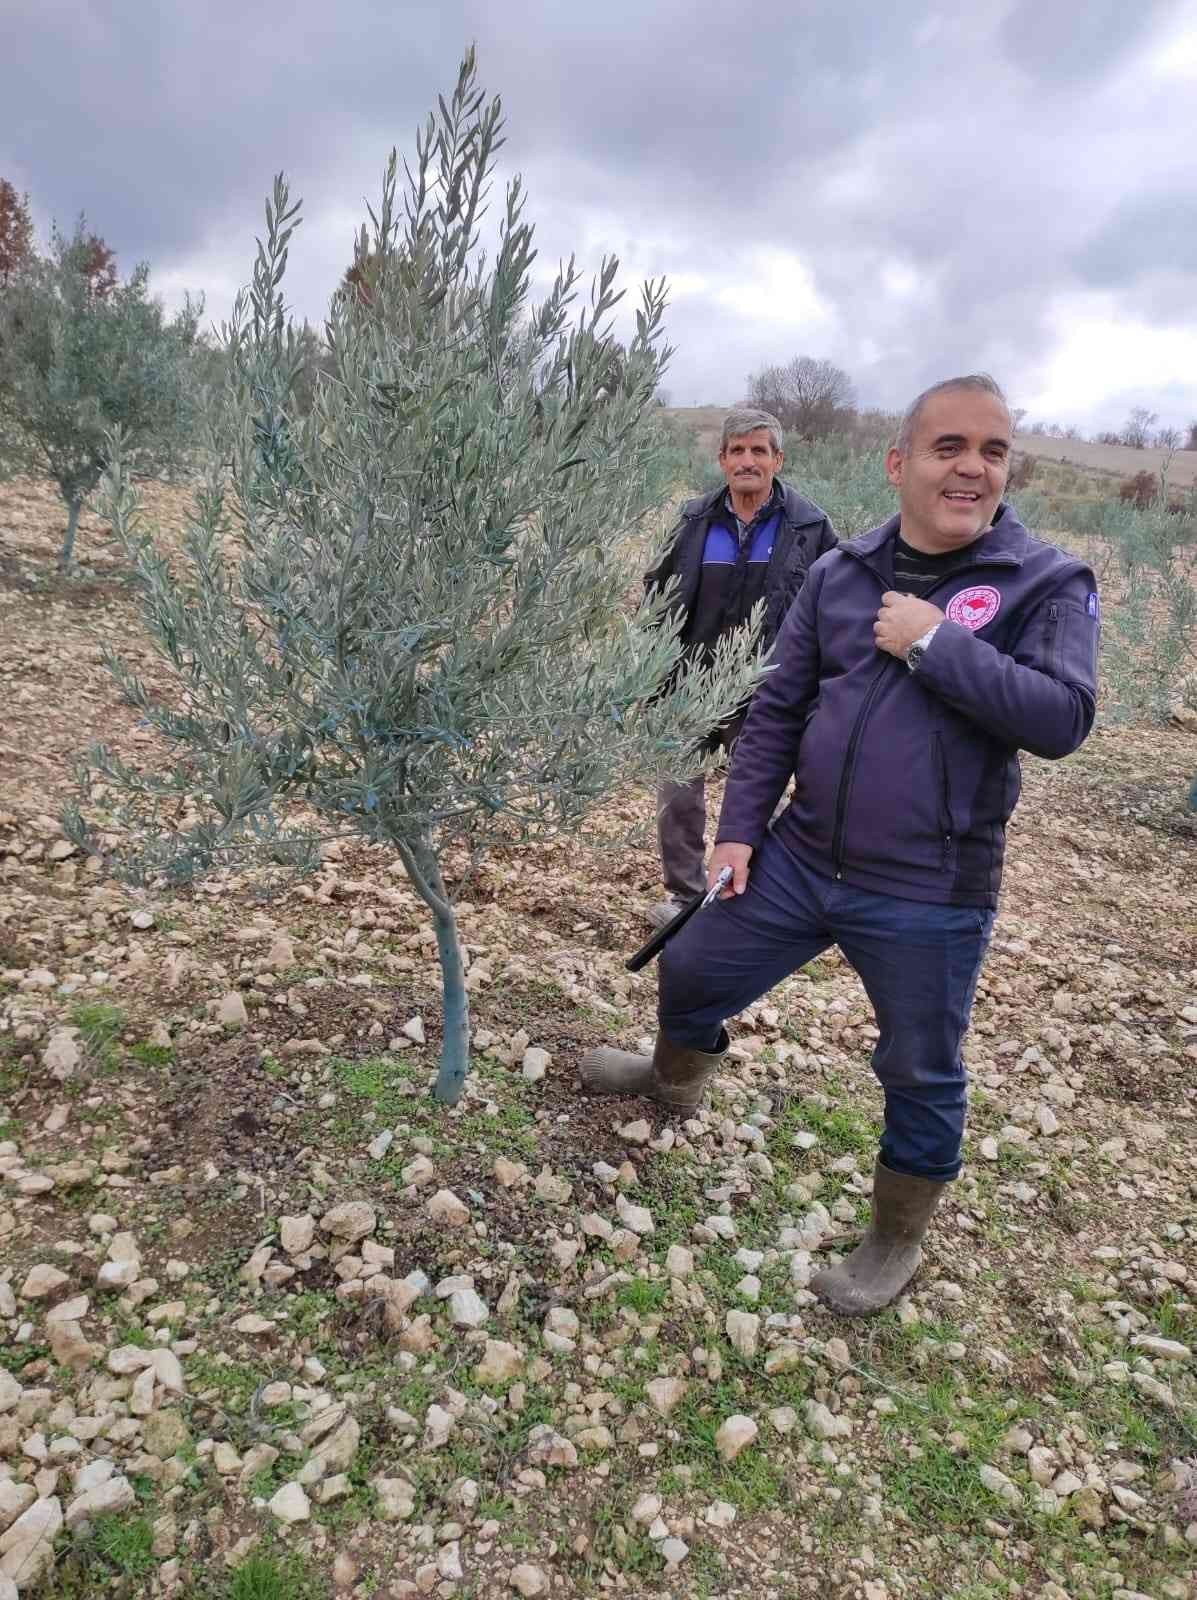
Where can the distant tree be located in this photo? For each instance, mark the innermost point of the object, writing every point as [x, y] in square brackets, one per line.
[418, 635]
[16, 232]
[1139, 491]
[1138, 428]
[1017, 414]
[809, 397]
[1191, 441]
[96, 263]
[81, 354]
[1108, 438]
[1167, 438]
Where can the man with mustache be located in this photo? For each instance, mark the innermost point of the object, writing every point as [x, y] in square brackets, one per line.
[753, 538]
[917, 661]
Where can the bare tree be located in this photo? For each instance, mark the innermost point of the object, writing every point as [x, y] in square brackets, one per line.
[809, 397]
[1191, 441]
[1138, 427]
[1167, 439]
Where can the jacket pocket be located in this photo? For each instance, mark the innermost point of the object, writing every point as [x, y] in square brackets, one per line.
[943, 789]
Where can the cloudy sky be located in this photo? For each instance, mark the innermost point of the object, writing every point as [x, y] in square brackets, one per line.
[909, 188]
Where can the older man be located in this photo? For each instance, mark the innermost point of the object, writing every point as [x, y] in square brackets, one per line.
[754, 538]
[918, 660]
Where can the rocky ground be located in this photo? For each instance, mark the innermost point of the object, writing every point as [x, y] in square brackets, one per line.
[276, 1325]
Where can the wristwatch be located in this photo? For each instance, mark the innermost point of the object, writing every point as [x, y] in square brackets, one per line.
[914, 656]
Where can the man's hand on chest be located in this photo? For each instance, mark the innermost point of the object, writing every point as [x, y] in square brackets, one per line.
[901, 620]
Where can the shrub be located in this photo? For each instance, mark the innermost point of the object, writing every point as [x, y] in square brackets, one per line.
[1151, 638]
[1140, 490]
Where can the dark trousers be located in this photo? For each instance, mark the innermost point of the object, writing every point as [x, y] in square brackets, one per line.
[682, 823]
[919, 964]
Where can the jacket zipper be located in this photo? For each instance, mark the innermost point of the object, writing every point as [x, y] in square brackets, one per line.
[1053, 633]
[841, 799]
[945, 796]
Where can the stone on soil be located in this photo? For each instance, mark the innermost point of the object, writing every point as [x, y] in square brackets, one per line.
[664, 1394]
[396, 1498]
[735, 1435]
[42, 1281]
[500, 1362]
[113, 1496]
[290, 1504]
[468, 1309]
[164, 1433]
[231, 1012]
[27, 1548]
[296, 1233]
[446, 1207]
[352, 1220]
[528, 1581]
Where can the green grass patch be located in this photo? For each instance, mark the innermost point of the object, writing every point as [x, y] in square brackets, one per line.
[937, 1489]
[266, 1575]
[151, 1055]
[841, 1130]
[642, 1295]
[99, 1025]
[15, 1358]
[234, 1384]
[125, 1543]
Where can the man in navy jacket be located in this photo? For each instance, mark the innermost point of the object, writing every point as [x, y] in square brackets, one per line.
[916, 662]
[753, 539]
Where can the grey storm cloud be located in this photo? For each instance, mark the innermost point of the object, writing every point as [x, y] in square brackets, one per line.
[908, 189]
[1146, 235]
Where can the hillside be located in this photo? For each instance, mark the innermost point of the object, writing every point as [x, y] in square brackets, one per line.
[1116, 460]
[275, 1326]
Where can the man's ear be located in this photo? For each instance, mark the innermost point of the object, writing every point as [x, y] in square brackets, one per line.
[781, 461]
[893, 466]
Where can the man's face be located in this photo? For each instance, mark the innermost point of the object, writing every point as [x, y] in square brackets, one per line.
[951, 479]
[749, 461]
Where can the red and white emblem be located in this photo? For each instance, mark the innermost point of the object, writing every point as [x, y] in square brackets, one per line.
[973, 608]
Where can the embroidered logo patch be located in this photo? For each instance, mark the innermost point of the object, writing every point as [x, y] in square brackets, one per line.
[1092, 606]
[973, 608]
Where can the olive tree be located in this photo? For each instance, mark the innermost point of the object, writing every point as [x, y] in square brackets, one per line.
[400, 611]
[1150, 641]
[82, 353]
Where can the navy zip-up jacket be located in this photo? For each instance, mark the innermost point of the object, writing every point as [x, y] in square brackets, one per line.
[804, 534]
[905, 781]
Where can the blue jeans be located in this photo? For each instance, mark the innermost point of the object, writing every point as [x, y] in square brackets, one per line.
[919, 963]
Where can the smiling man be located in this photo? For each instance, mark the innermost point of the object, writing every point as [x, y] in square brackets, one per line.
[753, 538]
[915, 664]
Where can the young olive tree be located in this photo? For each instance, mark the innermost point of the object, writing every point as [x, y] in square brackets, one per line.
[82, 353]
[400, 611]
[1150, 642]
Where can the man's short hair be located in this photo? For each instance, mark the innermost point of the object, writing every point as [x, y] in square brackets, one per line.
[737, 423]
[978, 382]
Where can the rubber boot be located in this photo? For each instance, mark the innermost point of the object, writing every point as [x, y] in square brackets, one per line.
[888, 1256]
[673, 1075]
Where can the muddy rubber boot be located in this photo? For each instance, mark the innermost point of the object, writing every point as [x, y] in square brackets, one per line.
[888, 1256]
[673, 1075]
